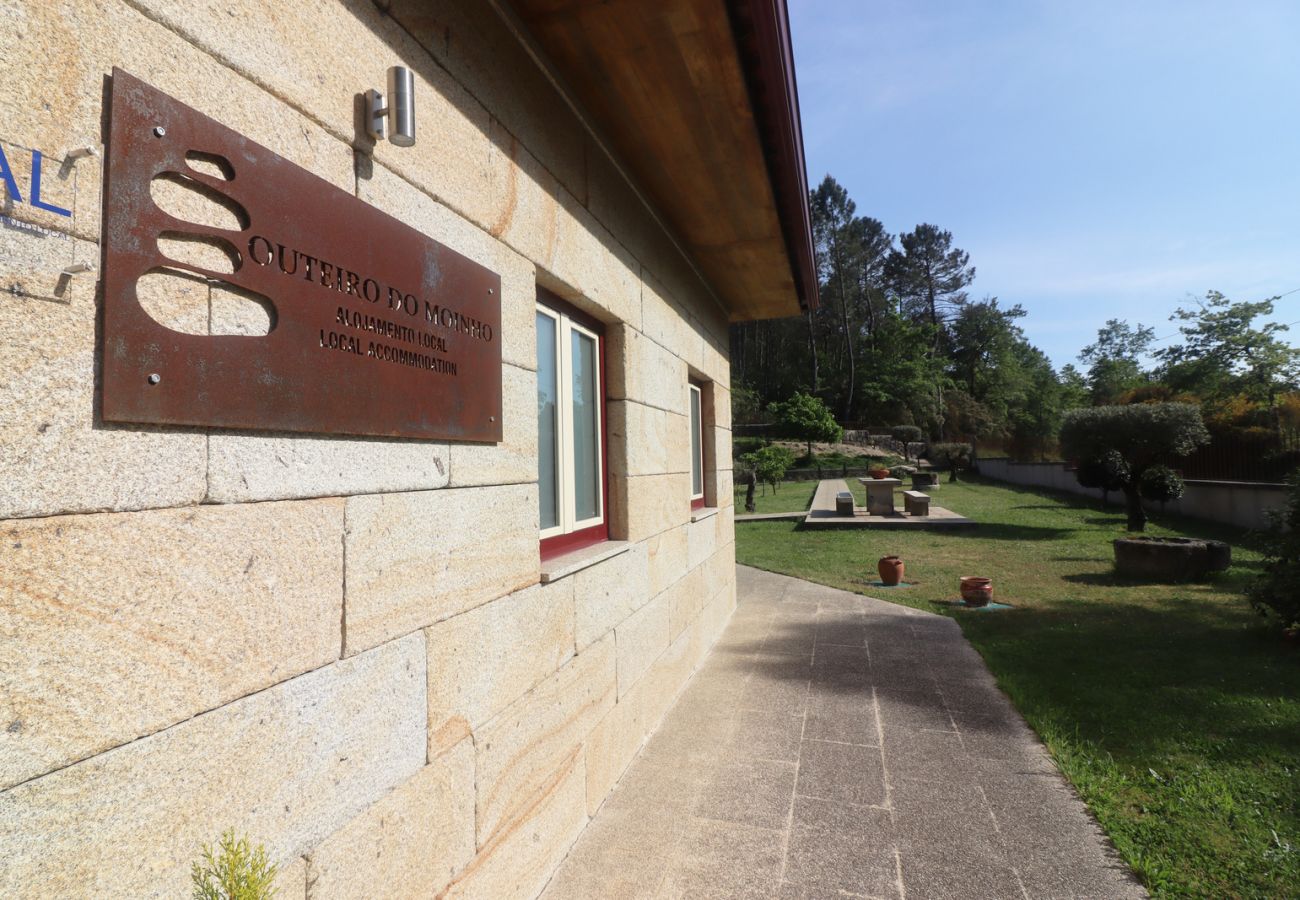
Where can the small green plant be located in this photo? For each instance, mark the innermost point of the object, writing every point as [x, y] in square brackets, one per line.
[1278, 590]
[233, 871]
[768, 464]
[953, 456]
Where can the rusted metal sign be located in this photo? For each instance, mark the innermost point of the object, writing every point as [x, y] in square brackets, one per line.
[377, 329]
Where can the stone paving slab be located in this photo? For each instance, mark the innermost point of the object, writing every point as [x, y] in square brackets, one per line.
[833, 745]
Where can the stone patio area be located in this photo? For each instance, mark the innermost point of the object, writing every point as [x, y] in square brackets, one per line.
[838, 746]
[822, 513]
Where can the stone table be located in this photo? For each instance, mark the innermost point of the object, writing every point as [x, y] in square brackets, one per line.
[880, 495]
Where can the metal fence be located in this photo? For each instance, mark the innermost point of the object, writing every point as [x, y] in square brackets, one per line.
[1253, 456]
[1266, 457]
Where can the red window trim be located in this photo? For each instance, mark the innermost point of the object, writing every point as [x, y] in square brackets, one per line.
[576, 540]
[701, 501]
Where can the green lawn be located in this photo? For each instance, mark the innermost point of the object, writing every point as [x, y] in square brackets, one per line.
[1172, 708]
[790, 496]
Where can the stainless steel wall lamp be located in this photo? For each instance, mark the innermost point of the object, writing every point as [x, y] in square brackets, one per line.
[398, 107]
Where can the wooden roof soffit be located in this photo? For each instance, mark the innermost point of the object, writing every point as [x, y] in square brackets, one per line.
[697, 101]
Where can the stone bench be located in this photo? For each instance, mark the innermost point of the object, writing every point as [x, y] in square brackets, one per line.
[844, 503]
[928, 480]
[916, 503]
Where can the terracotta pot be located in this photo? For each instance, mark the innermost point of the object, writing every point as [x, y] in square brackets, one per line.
[879, 473]
[890, 569]
[976, 591]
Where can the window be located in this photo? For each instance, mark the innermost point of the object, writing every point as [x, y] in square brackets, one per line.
[697, 447]
[570, 428]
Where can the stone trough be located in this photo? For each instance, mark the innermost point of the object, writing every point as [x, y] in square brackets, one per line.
[1170, 559]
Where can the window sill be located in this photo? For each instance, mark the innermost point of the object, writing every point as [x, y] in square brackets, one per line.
[703, 512]
[566, 564]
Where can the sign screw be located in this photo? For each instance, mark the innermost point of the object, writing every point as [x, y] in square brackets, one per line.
[159, 131]
[490, 291]
[155, 378]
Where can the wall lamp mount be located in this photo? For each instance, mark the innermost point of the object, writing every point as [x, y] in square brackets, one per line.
[393, 115]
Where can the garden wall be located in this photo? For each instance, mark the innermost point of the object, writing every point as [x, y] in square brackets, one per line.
[1237, 503]
[347, 648]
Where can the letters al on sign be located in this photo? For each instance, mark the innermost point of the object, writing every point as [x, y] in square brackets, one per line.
[376, 330]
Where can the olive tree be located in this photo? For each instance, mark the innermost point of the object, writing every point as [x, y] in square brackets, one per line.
[1119, 448]
[953, 456]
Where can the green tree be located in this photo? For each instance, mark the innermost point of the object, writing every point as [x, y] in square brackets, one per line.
[1141, 434]
[746, 408]
[1223, 352]
[965, 416]
[806, 418]
[1036, 402]
[1010, 390]
[981, 337]
[833, 221]
[1074, 388]
[1114, 360]
[769, 465]
[902, 381]
[850, 253]
[929, 275]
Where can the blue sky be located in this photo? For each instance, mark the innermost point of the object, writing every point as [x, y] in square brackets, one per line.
[1097, 160]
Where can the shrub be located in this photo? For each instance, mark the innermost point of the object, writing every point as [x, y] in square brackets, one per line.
[1277, 591]
[1140, 432]
[768, 464]
[1160, 483]
[953, 456]
[1109, 472]
[905, 433]
[235, 871]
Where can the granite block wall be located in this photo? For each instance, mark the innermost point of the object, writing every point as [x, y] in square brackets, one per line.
[341, 646]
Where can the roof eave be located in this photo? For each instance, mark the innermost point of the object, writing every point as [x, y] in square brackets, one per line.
[762, 29]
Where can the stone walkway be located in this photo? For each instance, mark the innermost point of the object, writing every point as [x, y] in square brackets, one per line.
[838, 746]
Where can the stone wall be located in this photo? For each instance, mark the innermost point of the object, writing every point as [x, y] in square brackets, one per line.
[1244, 504]
[340, 646]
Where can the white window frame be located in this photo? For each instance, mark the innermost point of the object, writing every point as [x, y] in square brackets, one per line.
[564, 476]
[695, 397]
